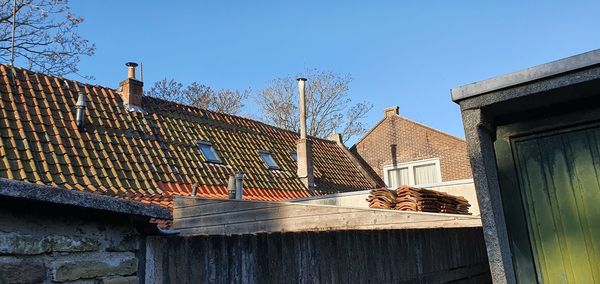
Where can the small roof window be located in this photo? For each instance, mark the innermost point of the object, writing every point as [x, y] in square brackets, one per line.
[294, 155]
[209, 152]
[268, 159]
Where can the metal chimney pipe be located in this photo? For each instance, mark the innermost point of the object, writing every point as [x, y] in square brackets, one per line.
[231, 187]
[239, 185]
[80, 115]
[131, 69]
[302, 106]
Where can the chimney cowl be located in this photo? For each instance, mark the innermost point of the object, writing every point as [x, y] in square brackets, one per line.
[81, 101]
[131, 69]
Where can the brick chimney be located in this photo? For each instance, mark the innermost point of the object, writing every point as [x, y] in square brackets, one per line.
[132, 89]
[391, 111]
[303, 145]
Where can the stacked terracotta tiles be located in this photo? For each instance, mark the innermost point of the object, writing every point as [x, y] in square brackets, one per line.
[382, 198]
[408, 198]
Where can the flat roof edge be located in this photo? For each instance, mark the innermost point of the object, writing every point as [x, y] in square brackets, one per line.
[61, 196]
[553, 68]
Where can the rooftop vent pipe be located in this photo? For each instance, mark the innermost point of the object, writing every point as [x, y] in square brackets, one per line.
[80, 115]
[231, 187]
[239, 185]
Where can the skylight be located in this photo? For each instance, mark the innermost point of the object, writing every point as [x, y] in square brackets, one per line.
[209, 152]
[294, 155]
[268, 159]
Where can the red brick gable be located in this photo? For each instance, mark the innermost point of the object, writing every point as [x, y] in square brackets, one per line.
[413, 142]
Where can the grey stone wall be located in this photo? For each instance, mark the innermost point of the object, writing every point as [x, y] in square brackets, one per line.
[60, 246]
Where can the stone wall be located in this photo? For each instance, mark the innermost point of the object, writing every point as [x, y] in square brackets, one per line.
[54, 245]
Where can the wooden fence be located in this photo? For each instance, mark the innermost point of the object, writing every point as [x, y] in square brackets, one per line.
[434, 255]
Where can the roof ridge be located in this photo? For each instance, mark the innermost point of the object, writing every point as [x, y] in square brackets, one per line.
[170, 102]
[239, 117]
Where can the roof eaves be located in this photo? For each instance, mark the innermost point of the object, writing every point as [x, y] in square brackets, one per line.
[60, 196]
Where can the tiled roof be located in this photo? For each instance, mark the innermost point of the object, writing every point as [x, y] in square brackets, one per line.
[148, 156]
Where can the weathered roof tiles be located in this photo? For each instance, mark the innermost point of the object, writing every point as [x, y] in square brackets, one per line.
[153, 155]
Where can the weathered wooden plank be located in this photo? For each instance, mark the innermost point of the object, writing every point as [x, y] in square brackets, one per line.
[332, 221]
[219, 207]
[184, 201]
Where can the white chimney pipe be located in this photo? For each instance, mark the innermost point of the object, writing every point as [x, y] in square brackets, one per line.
[304, 145]
[302, 106]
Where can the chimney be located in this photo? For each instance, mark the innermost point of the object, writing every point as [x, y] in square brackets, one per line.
[337, 138]
[303, 145]
[132, 89]
[391, 111]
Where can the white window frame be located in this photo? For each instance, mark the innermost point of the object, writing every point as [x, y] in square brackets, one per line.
[411, 170]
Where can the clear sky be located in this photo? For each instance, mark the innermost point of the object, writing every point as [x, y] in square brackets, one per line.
[401, 53]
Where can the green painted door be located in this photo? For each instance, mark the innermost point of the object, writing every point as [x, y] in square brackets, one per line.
[558, 178]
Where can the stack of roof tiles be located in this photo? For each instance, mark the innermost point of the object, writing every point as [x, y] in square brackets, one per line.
[408, 198]
[151, 155]
[382, 198]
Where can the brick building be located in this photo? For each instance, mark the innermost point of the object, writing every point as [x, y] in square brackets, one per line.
[401, 151]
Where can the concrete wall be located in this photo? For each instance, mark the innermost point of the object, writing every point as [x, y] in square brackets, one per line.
[464, 188]
[377, 256]
[45, 244]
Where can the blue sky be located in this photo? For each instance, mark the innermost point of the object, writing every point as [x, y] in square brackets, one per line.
[401, 53]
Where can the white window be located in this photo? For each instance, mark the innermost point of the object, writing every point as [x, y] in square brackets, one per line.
[413, 173]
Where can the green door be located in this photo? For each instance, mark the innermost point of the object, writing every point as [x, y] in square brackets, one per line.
[554, 177]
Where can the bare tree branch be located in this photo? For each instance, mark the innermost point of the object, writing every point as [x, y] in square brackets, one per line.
[200, 96]
[46, 37]
[329, 107]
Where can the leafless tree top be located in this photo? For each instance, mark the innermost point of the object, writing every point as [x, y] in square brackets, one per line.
[329, 107]
[200, 96]
[46, 37]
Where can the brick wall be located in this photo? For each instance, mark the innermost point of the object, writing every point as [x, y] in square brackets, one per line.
[52, 245]
[411, 141]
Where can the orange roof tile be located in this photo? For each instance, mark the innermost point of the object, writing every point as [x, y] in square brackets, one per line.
[153, 155]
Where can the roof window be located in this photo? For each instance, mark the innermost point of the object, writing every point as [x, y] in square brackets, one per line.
[268, 159]
[209, 152]
[294, 155]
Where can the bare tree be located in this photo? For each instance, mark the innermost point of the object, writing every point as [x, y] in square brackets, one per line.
[200, 96]
[46, 37]
[329, 107]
